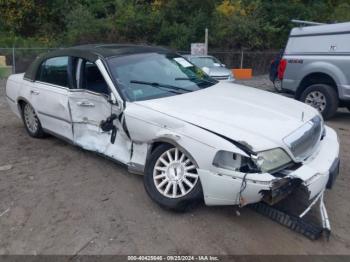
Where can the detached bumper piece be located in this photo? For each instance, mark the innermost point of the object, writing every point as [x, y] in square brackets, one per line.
[333, 173]
[297, 223]
[280, 190]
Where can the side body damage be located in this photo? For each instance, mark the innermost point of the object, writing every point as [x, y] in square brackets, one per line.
[243, 145]
[139, 129]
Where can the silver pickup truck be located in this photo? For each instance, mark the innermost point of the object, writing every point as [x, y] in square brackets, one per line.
[316, 66]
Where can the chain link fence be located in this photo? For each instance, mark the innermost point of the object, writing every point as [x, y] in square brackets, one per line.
[17, 60]
[258, 61]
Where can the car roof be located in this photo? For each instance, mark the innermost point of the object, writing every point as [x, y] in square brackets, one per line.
[326, 29]
[199, 56]
[92, 52]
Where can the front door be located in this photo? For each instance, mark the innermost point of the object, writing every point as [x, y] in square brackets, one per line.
[90, 107]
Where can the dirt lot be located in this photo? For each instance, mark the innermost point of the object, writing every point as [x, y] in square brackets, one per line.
[58, 199]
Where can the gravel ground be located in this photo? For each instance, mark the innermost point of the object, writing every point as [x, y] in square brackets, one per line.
[58, 199]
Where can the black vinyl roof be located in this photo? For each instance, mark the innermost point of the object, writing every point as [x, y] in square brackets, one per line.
[92, 53]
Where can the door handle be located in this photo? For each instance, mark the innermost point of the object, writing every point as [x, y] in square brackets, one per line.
[34, 92]
[85, 103]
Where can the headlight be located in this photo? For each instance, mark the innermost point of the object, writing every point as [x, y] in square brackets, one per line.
[271, 160]
[233, 161]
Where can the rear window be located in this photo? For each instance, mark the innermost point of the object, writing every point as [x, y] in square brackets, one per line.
[54, 71]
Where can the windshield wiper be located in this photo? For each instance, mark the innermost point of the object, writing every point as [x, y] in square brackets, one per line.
[159, 85]
[195, 78]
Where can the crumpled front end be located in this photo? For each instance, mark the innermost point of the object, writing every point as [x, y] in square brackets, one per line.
[313, 175]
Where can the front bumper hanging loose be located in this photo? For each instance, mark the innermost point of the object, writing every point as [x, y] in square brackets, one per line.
[297, 223]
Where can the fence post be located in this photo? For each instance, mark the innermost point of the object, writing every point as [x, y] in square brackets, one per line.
[242, 58]
[13, 61]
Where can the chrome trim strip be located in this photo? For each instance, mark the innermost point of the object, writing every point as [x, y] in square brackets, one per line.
[55, 117]
[53, 85]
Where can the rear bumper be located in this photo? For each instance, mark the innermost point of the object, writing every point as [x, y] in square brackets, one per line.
[222, 187]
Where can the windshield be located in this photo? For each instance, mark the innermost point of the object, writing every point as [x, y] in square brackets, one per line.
[154, 75]
[205, 61]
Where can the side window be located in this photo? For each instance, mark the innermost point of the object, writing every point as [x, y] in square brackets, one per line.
[92, 79]
[54, 71]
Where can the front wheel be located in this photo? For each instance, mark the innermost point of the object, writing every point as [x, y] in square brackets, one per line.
[322, 97]
[171, 178]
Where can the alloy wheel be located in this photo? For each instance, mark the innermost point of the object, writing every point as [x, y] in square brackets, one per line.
[278, 85]
[30, 119]
[174, 174]
[317, 100]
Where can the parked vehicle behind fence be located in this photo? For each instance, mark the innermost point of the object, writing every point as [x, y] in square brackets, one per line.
[212, 66]
[316, 66]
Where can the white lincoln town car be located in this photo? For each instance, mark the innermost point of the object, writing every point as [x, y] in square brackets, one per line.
[191, 136]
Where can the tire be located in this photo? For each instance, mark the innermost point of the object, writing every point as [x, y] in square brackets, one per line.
[183, 198]
[31, 121]
[348, 107]
[277, 84]
[322, 97]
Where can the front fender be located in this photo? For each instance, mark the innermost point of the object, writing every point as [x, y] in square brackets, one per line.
[147, 127]
[326, 68]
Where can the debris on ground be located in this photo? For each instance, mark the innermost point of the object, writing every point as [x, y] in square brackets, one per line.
[5, 167]
[3, 213]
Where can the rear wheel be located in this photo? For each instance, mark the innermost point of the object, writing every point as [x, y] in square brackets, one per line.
[322, 97]
[277, 83]
[31, 121]
[171, 178]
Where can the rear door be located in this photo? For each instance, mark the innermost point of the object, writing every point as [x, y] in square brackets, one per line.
[49, 96]
[90, 105]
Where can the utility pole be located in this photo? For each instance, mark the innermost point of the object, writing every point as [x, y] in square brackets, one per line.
[206, 41]
[13, 60]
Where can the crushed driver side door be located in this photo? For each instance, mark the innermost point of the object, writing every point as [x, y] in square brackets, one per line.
[90, 107]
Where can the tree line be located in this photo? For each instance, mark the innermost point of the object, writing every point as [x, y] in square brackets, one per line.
[232, 24]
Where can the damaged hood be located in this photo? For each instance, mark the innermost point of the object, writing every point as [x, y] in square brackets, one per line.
[256, 118]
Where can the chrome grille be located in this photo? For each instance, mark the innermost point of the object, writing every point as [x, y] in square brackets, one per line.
[221, 77]
[303, 141]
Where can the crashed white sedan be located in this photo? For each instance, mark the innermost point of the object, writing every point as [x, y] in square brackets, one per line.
[191, 136]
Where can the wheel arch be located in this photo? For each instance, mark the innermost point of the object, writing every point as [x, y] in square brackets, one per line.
[168, 141]
[315, 78]
[20, 103]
